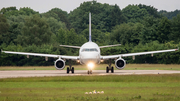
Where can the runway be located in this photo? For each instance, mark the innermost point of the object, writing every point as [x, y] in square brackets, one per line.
[45, 73]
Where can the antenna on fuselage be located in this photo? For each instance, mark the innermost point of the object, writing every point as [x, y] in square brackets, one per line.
[90, 27]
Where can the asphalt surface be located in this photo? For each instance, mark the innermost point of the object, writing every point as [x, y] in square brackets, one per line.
[45, 73]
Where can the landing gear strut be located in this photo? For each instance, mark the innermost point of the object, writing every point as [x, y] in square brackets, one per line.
[109, 68]
[70, 68]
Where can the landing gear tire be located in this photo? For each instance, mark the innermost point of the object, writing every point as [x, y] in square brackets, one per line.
[67, 70]
[107, 69]
[112, 69]
[72, 70]
[89, 71]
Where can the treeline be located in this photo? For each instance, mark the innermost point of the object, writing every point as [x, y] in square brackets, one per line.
[137, 27]
[169, 15]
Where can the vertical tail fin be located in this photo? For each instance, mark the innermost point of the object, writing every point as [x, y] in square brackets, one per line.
[90, 27]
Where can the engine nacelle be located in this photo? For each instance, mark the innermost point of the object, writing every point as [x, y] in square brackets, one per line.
[59, 64]
[120, 63]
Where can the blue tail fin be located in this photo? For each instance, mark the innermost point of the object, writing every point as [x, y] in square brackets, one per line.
[90, 27]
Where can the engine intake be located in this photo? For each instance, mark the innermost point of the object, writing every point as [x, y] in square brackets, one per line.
[120, 63]
[59, 64]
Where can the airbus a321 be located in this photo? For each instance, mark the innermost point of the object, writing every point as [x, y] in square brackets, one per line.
[89, 54]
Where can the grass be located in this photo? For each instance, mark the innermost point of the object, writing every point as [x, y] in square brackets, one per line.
[73, 88]
[100, 67]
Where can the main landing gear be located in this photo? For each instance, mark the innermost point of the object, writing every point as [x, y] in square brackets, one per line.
[70, 68]
[109, 68]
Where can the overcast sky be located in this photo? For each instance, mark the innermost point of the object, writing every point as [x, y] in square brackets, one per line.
[69, 5]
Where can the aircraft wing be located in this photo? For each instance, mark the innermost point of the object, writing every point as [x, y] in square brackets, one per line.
[44, 55]
[135, 54]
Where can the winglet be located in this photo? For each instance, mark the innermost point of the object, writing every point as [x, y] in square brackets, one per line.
[1, 50]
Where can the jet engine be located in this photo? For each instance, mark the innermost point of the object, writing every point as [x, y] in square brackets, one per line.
[59, 64]
[120, 63]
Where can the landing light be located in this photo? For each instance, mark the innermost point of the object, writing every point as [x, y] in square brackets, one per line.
[90, 65]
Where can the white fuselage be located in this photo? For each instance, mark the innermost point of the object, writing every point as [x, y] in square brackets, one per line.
[89, 53]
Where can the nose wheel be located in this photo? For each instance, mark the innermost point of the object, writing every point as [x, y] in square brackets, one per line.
[89, 72]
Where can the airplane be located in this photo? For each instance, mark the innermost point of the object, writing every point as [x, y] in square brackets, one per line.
[89, 54]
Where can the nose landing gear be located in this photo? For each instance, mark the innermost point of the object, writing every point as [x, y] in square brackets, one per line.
[89, 72]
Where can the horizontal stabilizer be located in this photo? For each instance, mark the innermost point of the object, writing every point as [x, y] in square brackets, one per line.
[109, 46]
[70, 46]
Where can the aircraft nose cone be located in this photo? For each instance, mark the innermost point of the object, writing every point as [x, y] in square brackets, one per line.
[86, 58]
[89, 55]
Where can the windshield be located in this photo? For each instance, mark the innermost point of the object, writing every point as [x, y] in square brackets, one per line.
[89, 50]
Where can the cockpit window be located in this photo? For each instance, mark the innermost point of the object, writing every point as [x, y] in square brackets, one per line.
[89, 50]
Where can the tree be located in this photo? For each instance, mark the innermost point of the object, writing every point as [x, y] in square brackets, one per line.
[8, 9]
[127, 33]
[70, 37]
[148, 34]
[58, 14]
[35, 31]
[4, 27]
[98, 36]
[12, 11]
[16, 23]
[151, 10]
[169, 15]
[116, 16]
[54, 24]
[163, 30]
[175, 29]
[27, 11]
[134, 14]
[104, 16]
